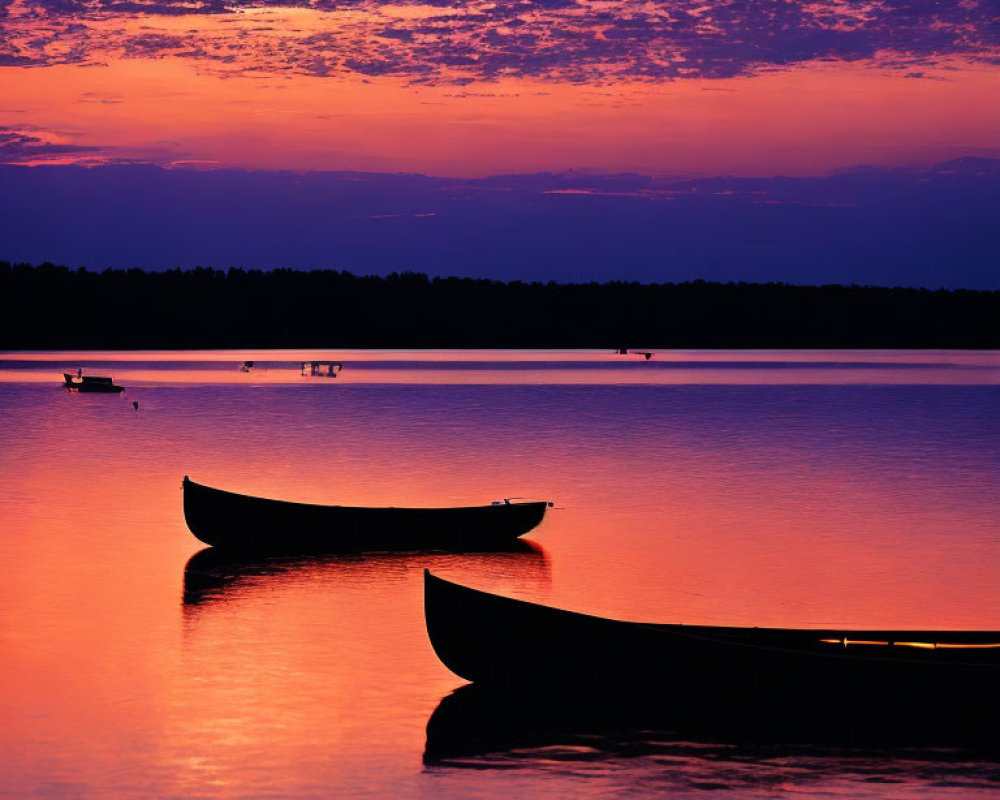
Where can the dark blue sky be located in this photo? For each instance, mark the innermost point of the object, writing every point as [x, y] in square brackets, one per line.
[933, 228]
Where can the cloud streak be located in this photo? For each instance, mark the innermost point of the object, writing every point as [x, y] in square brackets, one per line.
[29, 146]
[598, 41]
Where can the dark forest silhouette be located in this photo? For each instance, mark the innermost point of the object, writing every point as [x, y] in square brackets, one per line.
[52, 307]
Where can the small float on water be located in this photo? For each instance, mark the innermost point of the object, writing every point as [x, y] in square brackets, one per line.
[90, 383]
[227, 519]
[321, 369]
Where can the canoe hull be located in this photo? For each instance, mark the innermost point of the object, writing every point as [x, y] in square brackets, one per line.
[227, 519]
[96, 389]
[497, 641]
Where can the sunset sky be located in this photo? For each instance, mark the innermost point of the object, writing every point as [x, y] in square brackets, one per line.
[685, 96]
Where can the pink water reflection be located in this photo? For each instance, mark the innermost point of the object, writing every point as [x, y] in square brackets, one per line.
[986, 358]
[785, 505]
[519, 367]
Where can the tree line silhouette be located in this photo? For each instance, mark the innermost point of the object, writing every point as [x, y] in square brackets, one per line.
[54, 307]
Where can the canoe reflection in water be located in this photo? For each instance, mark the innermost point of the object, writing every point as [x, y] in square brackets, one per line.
[214, 574]
[840, 686]
[671, 744]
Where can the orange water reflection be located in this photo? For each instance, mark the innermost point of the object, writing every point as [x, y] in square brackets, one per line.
[781, 505]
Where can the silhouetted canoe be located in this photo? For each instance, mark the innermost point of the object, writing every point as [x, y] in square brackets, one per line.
[499, 641]
[90, 383]
[227, 519]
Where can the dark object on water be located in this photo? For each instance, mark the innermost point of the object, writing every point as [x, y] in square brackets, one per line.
[135, 405]
[479, 726]
[226, 519]
[90, 383]
[316, 368]
[499, 641]
[218, 573]
[246, 366]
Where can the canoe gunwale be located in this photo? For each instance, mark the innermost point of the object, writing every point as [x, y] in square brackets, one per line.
[294, 504]
[705, 631]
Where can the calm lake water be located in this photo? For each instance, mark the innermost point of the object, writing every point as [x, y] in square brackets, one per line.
[855, 489]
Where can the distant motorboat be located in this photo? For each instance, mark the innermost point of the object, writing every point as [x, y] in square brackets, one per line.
[227, 519]
[624, 351]
[90, 383]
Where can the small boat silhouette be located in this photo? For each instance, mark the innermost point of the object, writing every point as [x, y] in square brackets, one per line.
[90, 383]
[227, 519]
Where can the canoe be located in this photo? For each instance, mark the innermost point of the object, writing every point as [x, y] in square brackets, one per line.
[90, 383]
[227, 519]
[499, 641]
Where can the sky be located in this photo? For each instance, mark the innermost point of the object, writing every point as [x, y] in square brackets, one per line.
[830, 141]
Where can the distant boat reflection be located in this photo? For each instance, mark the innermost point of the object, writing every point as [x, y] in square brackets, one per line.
[214, 574]
[481, 728]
